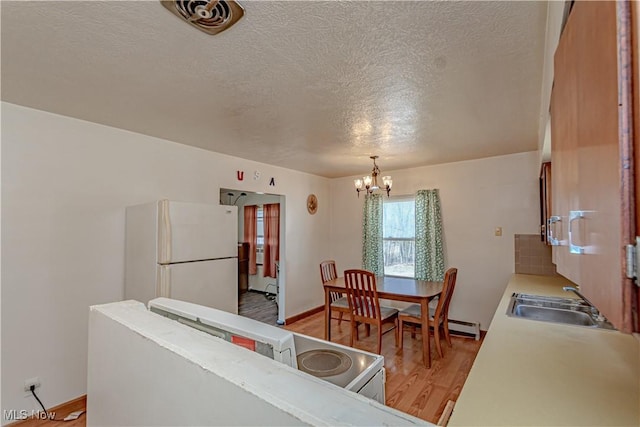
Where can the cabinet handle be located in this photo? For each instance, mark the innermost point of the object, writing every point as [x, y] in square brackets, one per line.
[553, 241]
[573, 216]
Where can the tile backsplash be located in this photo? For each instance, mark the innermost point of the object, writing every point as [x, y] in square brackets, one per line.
[533, 256]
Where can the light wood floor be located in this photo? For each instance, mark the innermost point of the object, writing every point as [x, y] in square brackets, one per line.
[411, 387]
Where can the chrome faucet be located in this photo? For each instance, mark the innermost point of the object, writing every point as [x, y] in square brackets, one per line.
[589, 303]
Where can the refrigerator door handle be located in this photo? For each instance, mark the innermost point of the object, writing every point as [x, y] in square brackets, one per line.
[164, 281]
[164, 232]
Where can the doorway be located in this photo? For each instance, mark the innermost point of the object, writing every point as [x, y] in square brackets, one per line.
[260, 284]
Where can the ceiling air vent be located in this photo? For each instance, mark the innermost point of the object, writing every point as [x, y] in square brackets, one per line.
[210, 16]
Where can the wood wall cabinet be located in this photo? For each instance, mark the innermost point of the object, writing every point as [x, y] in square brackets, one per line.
[564, 148]
[546, 229]
[590, 188]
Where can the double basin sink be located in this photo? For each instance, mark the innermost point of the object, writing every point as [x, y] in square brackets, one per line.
[568, 311]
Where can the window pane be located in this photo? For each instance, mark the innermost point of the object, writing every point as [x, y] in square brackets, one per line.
[398, 219]
[398, 223]
[399, 257]
[260, 227]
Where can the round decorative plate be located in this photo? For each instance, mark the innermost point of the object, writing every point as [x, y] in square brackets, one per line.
[312, 204]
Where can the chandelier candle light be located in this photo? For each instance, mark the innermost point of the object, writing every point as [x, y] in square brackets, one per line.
[370, 183]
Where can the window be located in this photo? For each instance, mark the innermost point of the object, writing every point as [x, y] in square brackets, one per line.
[399, 236]
[260, 228]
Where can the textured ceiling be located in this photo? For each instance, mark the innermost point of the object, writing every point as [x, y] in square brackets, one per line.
[312, 86]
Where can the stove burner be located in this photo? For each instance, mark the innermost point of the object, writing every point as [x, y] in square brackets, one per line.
[324, 363]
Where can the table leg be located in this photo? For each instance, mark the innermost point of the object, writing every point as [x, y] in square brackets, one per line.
[426, 339]
[327, 316]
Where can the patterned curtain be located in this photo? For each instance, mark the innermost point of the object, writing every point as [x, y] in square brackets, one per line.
[251, 235]
[271, 238]
[372, 256]
[429, 247]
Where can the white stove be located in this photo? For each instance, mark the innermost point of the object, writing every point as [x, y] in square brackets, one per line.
[352, 369]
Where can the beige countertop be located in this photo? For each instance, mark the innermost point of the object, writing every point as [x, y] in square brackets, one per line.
[545, 374]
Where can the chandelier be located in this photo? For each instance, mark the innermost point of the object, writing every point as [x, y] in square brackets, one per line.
[370, 183]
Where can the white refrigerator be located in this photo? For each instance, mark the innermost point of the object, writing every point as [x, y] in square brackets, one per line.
[185, 251]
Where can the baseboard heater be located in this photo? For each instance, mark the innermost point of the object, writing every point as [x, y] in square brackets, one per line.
[475, 327]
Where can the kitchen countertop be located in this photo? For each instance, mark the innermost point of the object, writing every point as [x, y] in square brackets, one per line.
[538, 373]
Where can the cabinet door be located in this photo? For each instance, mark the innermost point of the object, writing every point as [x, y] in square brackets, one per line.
[598, 228]
[564, 159]
[545, 201]
[632, 293]
[588, 138]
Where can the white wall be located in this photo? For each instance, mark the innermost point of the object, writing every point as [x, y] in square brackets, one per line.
[477, 196]
[65, 184]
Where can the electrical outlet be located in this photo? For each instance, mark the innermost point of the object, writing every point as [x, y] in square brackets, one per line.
[31, 381]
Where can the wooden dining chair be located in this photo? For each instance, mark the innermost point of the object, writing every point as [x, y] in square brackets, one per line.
[365, 307]
[438, 318]
[338, 301]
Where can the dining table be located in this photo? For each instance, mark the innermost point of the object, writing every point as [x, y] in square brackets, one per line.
[392, 288]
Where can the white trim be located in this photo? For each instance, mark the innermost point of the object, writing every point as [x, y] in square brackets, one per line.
[400, 198]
